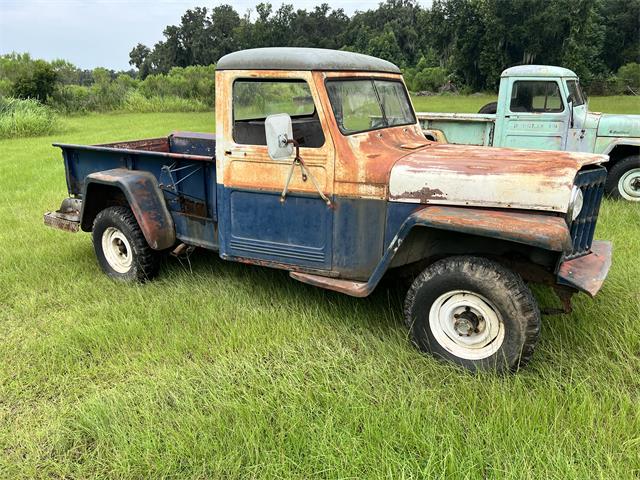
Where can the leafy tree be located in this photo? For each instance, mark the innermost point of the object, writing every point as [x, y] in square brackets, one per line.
[38, 83]
[629, 76]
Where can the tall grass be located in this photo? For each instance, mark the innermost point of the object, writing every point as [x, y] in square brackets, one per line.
[25, 118]
[135, 102]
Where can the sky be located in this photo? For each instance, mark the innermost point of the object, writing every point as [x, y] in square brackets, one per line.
[94, 33]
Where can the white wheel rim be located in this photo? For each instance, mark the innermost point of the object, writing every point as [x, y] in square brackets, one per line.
[466, 324]
[629, 185]
[117, 250]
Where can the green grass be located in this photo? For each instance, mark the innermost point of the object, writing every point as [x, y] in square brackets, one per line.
[224, 370]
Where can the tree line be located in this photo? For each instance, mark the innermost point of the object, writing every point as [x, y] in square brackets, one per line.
[467, 42]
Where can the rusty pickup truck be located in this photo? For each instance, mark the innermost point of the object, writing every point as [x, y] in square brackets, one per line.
[319, 167]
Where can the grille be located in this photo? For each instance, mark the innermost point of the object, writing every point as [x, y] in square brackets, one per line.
[591, 182]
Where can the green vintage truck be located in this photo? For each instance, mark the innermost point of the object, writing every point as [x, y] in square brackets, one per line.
[544, 108]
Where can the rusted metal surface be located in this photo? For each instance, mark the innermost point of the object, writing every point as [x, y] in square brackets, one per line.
[62, 221]
[135, 151]
[348, 287]
[363, 160]
[587, 273]
[249, 166]
[145, 200]
[160, 144]
[67, 217]
[489, 177]
[193, 207]
[540, 230]
[564, 294]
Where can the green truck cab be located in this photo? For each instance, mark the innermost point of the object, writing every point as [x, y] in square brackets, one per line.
[544, 108]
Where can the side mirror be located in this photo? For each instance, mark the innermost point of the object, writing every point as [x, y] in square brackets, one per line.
[278, 131]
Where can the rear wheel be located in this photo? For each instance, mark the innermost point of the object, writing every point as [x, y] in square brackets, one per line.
[473, 312]
[489, 108]
[121, 249]
[623, 180]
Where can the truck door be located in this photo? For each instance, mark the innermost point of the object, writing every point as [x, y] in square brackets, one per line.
[534, 116]
[258, 226]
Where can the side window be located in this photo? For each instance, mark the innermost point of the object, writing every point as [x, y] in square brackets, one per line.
[536, 96]
[575, 92]
[254, 100]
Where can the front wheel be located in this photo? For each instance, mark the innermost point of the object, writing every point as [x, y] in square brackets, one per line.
[623, 180]
[122, 250]
[473, 312]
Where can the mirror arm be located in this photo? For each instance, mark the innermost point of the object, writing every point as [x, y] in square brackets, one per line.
[291, 141]
[303, 168]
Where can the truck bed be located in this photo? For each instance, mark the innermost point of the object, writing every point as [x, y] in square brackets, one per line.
[460, 128]
[183, 164]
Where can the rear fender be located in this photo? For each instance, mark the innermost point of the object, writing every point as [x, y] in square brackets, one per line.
[144, 197]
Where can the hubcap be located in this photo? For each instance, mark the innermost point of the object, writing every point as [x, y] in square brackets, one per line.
[629, 185]
[117, 250]
[466, 324]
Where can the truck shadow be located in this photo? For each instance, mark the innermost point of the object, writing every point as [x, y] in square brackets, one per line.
[380, 310]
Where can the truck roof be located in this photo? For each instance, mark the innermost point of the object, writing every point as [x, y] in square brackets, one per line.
[294, 58]
[538, 71]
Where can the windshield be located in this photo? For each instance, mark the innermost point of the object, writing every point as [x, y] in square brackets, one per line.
[360, 105]
[576, 93]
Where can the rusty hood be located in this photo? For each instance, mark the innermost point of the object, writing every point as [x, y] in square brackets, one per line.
[488, 177]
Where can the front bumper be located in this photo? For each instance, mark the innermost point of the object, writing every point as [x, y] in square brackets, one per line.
[587, 273]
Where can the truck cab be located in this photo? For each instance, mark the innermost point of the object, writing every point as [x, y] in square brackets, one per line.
[319, 167]
[544, 107]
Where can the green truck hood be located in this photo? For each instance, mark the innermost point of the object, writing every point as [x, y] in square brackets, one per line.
[619, 126]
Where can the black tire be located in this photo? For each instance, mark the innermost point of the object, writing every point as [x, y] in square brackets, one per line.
[517, 313]
[489, 108]
[143, 261]
[616, 173]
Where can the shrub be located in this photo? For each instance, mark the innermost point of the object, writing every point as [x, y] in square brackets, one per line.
[37, 83]
[196, 82]
[136, 102]
[629, 76]
[428, 78]
[25, 118]
[100, 97]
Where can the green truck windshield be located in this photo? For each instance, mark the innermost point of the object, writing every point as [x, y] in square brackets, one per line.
[360, 105]
[576, 93]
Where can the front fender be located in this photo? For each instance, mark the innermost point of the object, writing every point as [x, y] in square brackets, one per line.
[605, 145]
[145, 199]
[549, 232]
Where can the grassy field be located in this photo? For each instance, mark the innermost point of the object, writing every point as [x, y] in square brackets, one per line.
[221, 370]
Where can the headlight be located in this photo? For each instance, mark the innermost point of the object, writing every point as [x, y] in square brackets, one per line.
[576, 203]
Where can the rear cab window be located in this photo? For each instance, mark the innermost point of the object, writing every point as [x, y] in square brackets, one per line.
[536, 96]
[255, 100]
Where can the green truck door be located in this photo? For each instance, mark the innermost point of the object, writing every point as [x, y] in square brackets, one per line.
[534, 116]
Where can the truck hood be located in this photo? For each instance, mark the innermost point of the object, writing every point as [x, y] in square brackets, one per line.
[619, 126]
[488, 177]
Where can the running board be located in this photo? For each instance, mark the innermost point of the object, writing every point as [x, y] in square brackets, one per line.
[349, 287]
